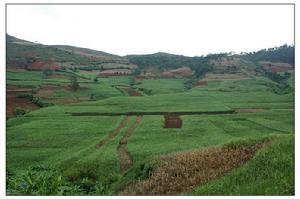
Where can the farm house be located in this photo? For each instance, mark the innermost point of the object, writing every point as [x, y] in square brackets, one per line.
[115, 72]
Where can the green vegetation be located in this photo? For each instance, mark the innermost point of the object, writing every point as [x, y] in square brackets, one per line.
[285, 54]
[74, 84]
[52, 152]
[35, 100]
[270, 172]
[19, 112]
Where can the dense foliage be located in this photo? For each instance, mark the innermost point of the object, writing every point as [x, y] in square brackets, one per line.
[40, 180]
[285, 54]
[35, 100]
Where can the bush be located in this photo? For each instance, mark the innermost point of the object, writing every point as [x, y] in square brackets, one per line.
[36, 181]
[93, 97]
[36, 100]
[96, 80]
[47, 72]
[19, 112]
[74, 83]
[39, 180]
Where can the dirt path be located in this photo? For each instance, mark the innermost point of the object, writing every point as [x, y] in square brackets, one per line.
[114, 132]
[125, 159]
[131, 91]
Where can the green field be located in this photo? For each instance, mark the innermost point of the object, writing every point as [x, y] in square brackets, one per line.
[53, 137]
[222, 125]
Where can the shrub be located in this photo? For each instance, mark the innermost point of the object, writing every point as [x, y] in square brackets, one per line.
[46, 73]
[19, 112]
[74, 83]
[96, 80]
[36, 100]
[93, 97]
[40, 180]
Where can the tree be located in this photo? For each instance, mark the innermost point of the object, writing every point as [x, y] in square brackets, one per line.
[96, 80]
[47, 72]
[74, 83]
[93, 97]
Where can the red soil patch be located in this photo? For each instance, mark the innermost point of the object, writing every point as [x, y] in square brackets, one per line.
[15, 69]
[12, 102]
[125, 159]
[181, 172]
[131, 91]
[167, 74]
[276, 67]
[139, 77]
[201, 83]
[114, 132]
[172, 121]
[39, 65]
[58, 76]
[280, 69]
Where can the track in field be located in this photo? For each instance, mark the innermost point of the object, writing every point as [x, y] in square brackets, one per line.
[125, 159]
[113, 133]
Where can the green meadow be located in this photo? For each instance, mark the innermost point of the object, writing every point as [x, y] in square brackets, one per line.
[52, 137]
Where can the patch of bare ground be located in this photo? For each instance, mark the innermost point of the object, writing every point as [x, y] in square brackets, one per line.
[114, 132]
[16, 69]
[59, 76]
[46, 92]
[125, 159]
[250, 110]
[181, 172]
[13, 101]
[131, 91]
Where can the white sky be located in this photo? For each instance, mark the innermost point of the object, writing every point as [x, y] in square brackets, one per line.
[140, 29]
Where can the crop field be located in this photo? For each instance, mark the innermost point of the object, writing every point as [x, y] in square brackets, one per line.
[121, 151]
[218, 129]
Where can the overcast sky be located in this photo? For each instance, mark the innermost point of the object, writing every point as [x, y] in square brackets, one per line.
[186, 30]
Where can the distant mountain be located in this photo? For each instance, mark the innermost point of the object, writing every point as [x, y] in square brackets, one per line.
[164, 60]
[21, 53]
[92, 54]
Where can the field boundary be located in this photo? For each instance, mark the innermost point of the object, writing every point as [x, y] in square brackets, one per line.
[152, 113]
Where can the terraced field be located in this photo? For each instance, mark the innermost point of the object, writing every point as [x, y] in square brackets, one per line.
[120, 139]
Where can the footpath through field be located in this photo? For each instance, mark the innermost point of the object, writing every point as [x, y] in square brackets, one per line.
[124, 157]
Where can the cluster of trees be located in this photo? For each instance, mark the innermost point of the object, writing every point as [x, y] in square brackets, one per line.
[35, 100]
[285, 54]
[163, 61]
[282, 86]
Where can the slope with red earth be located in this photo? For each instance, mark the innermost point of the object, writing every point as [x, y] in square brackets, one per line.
[13, 101]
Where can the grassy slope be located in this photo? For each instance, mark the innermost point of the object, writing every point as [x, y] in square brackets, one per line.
[162, 86]
[270, 172]
[43, 132]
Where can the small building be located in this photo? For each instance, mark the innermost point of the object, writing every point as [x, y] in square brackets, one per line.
[115, 72]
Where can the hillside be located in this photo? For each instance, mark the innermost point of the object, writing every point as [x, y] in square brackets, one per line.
[22, 53]
[86, 122]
